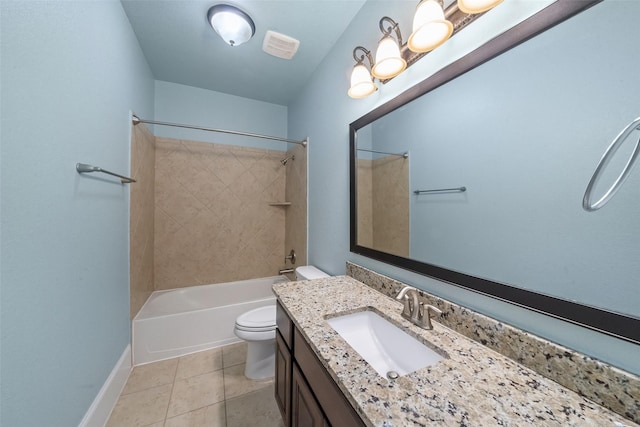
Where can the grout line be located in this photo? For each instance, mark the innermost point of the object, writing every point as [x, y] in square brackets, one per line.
[224, 391]
[224, 388]
[173, 385]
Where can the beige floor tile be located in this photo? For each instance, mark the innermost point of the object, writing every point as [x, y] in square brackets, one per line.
[236, 384]
[141, 408]
[211, 416]
[196, 392]
[199, 363]
[256, 409]
[151, 375]
[234, 354]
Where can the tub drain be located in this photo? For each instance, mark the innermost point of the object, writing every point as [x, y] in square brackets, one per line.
[392, 375]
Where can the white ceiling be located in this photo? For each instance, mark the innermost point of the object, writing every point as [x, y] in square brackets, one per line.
[181, 47]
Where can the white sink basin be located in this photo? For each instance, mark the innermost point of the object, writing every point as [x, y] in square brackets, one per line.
[387, 348]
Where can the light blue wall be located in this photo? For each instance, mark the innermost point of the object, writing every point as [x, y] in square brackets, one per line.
[324, 111]
[182, 104]
[71, 72]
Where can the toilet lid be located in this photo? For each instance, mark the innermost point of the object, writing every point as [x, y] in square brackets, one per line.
[262, 318]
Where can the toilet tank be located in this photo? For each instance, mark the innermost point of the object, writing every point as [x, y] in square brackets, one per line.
[308, 272]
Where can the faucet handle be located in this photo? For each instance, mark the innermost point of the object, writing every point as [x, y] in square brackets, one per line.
[427, 311]
[402, 296]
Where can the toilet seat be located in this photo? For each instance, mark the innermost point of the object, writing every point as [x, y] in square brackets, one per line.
[249, 329]
[262, 319]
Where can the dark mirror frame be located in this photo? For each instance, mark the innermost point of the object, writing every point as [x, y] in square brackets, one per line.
[615, 324]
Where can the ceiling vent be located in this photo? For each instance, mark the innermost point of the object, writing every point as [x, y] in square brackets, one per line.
[279, 45]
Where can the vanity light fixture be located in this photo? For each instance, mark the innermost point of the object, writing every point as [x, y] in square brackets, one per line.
[389, 61]
[477, 6]
[362, 84]
[430, 28]
[232, 24]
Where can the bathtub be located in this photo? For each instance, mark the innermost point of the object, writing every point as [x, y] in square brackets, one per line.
[180, 321]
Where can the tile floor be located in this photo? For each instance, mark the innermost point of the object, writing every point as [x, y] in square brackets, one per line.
[201, 389]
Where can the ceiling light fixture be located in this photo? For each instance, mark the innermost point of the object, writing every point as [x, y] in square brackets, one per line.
[432, 26]
[389, 62]
[232, 24]
[362, 84]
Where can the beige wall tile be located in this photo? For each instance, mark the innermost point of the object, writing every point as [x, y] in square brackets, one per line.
[296, 214]
[383, 204]
[390, 201]
[203, 210]
[212, 212]
[365, 203]
[142, 205]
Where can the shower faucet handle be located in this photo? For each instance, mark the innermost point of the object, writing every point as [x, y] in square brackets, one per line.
[291, 257]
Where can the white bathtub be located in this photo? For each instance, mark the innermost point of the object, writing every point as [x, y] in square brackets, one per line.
[180, 321]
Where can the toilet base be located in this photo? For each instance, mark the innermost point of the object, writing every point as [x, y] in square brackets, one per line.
[261, 359]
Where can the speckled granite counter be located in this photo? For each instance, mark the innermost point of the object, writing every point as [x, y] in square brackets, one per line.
[473, 386]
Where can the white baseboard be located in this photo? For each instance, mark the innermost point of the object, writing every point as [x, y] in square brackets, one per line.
[100, 410]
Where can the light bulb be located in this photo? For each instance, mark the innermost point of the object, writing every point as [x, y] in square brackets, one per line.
[430, 28]
[477, 6]
[232, 25]
[389, 63]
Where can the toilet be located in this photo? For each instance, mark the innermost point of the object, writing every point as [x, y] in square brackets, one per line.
[258, 328]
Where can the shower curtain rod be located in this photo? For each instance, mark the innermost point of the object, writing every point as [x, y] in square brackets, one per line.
[137, 120]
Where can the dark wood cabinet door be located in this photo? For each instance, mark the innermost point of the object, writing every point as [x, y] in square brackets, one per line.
[283, 379]
[305, 410]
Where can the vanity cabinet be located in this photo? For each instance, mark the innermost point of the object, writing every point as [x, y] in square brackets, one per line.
[306, 395]
[306, 410]
[283, 379]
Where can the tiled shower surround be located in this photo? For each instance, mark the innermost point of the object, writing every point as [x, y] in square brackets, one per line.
[213, 221]
[201, 213]
[296, 213]
[143, 161]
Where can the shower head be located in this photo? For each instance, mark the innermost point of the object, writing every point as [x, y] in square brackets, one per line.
[286, 159]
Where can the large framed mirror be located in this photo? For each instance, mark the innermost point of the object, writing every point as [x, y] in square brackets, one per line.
[476, 175]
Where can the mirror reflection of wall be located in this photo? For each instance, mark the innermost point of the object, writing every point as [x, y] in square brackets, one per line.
[523, 133]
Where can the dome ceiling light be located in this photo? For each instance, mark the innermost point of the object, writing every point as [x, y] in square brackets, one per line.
[232, 24]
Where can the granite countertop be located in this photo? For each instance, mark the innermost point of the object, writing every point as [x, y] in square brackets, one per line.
[473, 386]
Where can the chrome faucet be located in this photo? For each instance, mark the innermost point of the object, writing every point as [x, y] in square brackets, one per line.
[415, 311]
